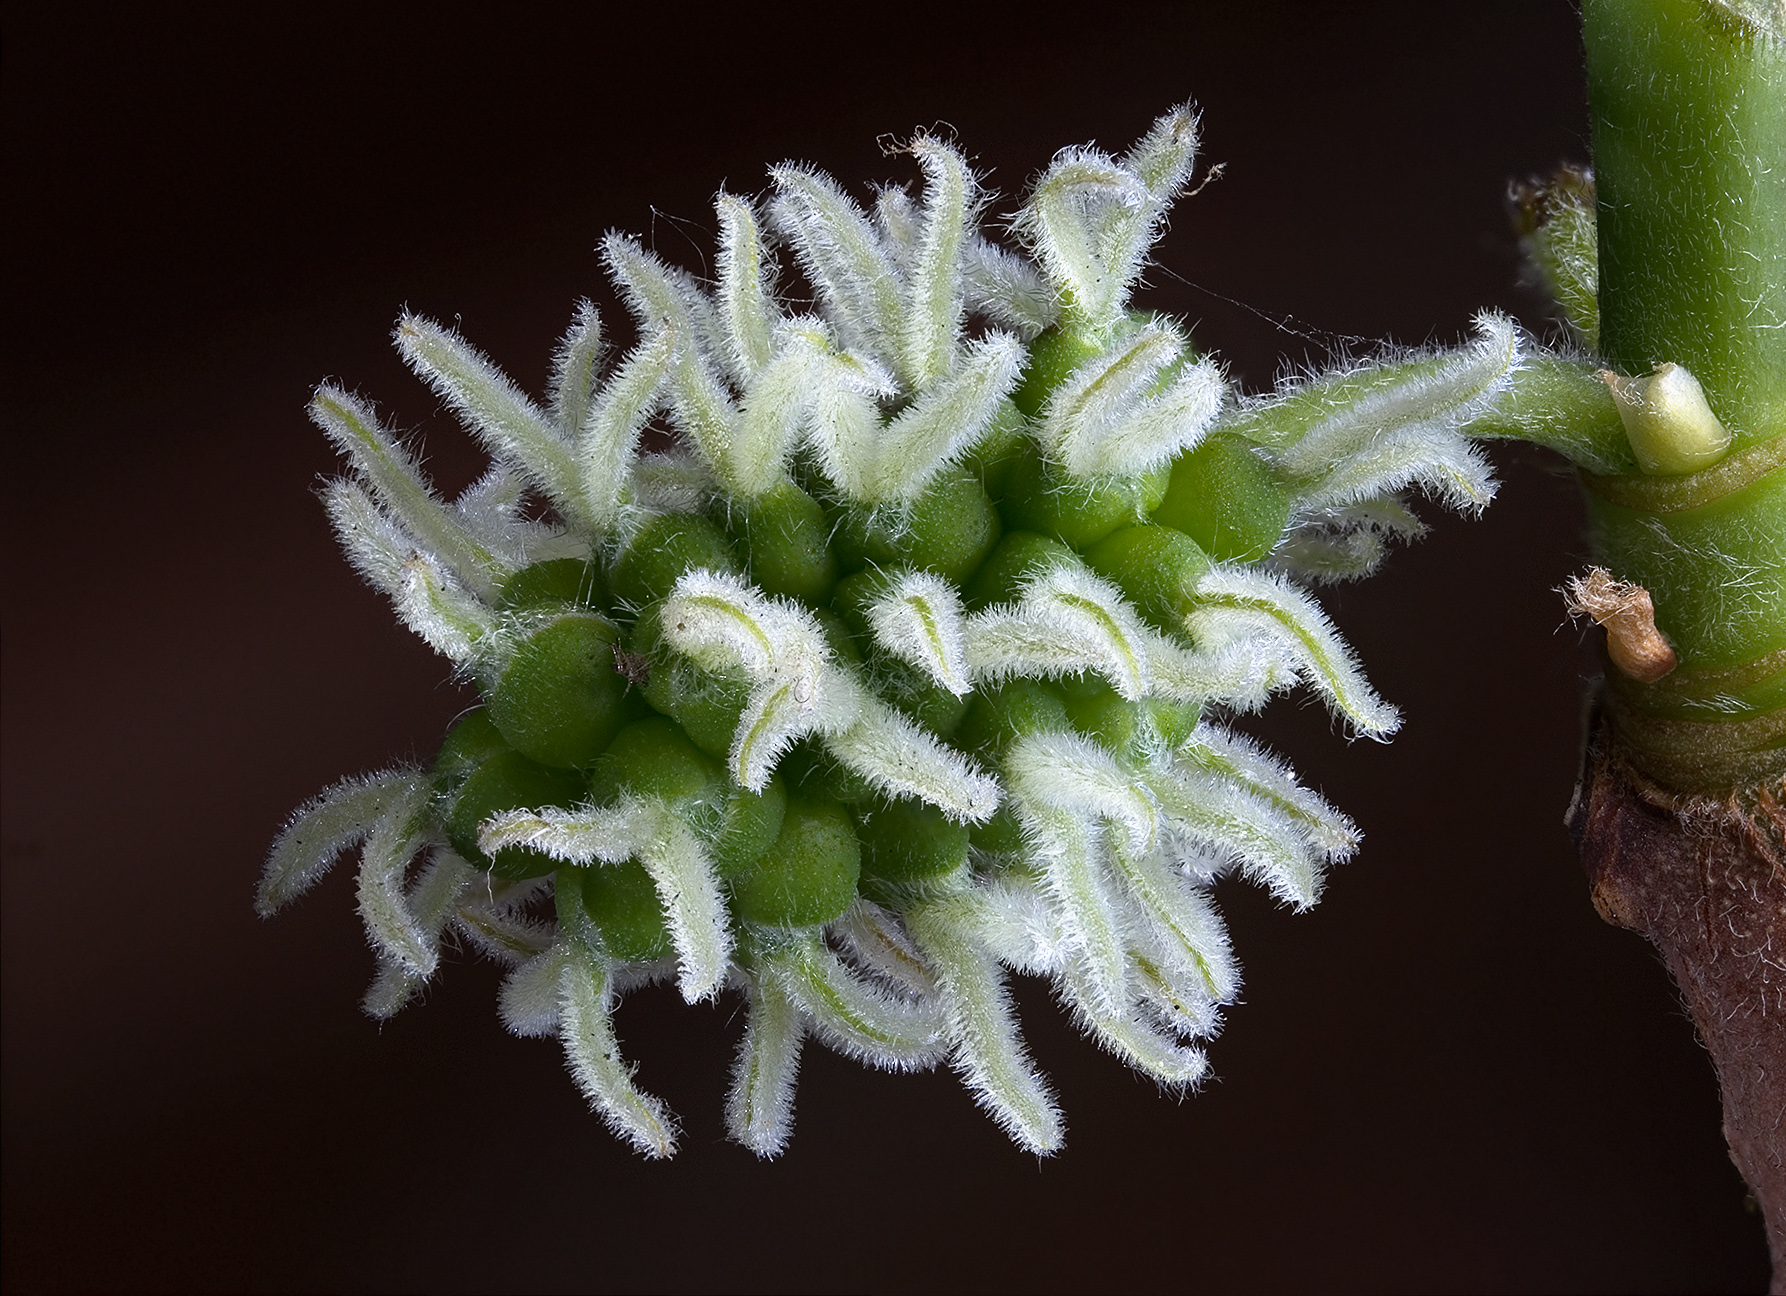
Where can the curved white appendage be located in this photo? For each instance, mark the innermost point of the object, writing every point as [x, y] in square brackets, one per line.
[336, 819]
[842, 257]
[1121, 1031]
[1188, 932]
[655, 835]
[431, 901]
[1106, 421]
[574, 369]
[1402, 426]
[987, 1051]
[1091, 219]
[608, 441]
[873, 937]
[930, 321]
[919, 619]
[398, 485]
[723, 624]
[449, 620]
[1221, 752]
[746, 309]
[509, 425]
[760, 1103]
[850, 1015]
[1235, 603]
[530, 1001]
[395, 932]
[1273, 847]
[586, 1027]
[1066, 620]
[1006, 289]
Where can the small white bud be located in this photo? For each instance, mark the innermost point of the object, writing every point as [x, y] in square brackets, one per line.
[1667, 420]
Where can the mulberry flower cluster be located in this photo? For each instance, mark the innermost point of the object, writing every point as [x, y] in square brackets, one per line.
[854, 641]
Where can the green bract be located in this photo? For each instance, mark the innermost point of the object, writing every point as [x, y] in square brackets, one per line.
[906, 665]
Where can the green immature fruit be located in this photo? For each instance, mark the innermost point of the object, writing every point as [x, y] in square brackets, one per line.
[621, 900]
[1053, 357]
[1000, 716]
[1038, 497]
[1019, 556]
[1158, 567]
[1227, 499]
[750, 825]
[663, 549]
[949, 529]
[907, 842]
[560, 700]
[786, 537]
[809, 875]
[507, 780]
[557, 580]
[470, 742]
[707, 706]
[1130, 728]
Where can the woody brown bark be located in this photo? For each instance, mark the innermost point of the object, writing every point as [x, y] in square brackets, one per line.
[1704, 878]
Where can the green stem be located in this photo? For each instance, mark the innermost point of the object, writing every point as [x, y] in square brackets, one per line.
[1689, 115]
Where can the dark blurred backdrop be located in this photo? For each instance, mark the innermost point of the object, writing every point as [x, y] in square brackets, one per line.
[1450, 1075]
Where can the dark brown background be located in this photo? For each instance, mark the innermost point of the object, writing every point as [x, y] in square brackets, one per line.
[1450, 1075]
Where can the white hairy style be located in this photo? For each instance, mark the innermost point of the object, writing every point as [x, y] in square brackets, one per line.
[610, 435]
[1405, 428]
[902, 759]
[721, 623]
[492, 916]
[431, 901]
[1019, 925]
[658, 295]
[1068, 851]
[745, 300]
[919, 619]
[1128, 1036]
[876, 942]
[811, 391]
[931, 320]
[396, 483]
[841, 256]
[1171, 997]
[760, 1102]
[851, 1015]
[586, 1028]
[1065, 772]
[1187, 932]
[653, 833]
[1235, 603]
[1007, 289]
[335, 820]
[906, 454]
[1065, 620]
[986, 1050]
[574, 373]
[530, 1000]
[1091, 219]
[492, 408]
[394, 931]
[1272, 847]
[1219, 751]
[1106, 420]
[489, 513]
